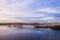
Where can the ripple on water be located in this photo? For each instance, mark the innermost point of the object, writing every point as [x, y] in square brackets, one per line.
[28, 34]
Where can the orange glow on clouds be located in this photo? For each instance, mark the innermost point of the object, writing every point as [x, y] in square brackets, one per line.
[2, 19]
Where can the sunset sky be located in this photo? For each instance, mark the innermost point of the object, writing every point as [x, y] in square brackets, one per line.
[30, 11]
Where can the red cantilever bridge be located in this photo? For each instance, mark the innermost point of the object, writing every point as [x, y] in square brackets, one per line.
[21, 24]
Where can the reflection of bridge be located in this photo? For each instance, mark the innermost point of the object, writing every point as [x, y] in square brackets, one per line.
[21, 24]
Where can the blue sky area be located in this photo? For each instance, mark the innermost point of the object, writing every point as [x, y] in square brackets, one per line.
[30, 10]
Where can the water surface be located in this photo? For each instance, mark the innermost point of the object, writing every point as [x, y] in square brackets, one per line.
[15, 33]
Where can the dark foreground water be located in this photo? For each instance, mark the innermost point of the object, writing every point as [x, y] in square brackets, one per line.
[13, 33]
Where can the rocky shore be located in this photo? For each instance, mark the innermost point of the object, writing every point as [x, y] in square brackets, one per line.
[56, 27]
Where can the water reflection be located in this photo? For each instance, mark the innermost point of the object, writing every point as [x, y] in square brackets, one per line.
[16, 33]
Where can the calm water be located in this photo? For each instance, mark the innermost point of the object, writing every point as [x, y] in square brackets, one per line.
[15, 33]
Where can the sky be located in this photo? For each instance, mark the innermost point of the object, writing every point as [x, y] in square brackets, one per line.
[30, 11]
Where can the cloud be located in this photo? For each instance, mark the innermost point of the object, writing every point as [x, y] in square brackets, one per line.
[13, 8]
[49, 10]
[38, 10]
[3, 19]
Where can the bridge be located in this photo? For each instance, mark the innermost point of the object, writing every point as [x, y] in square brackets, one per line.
[40, 25]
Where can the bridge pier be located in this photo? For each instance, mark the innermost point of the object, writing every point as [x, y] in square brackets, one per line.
[14, 25]
[9, 25]
[36, 26]
[19, 25]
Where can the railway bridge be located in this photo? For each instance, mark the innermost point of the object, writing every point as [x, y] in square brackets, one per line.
[39, 25]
